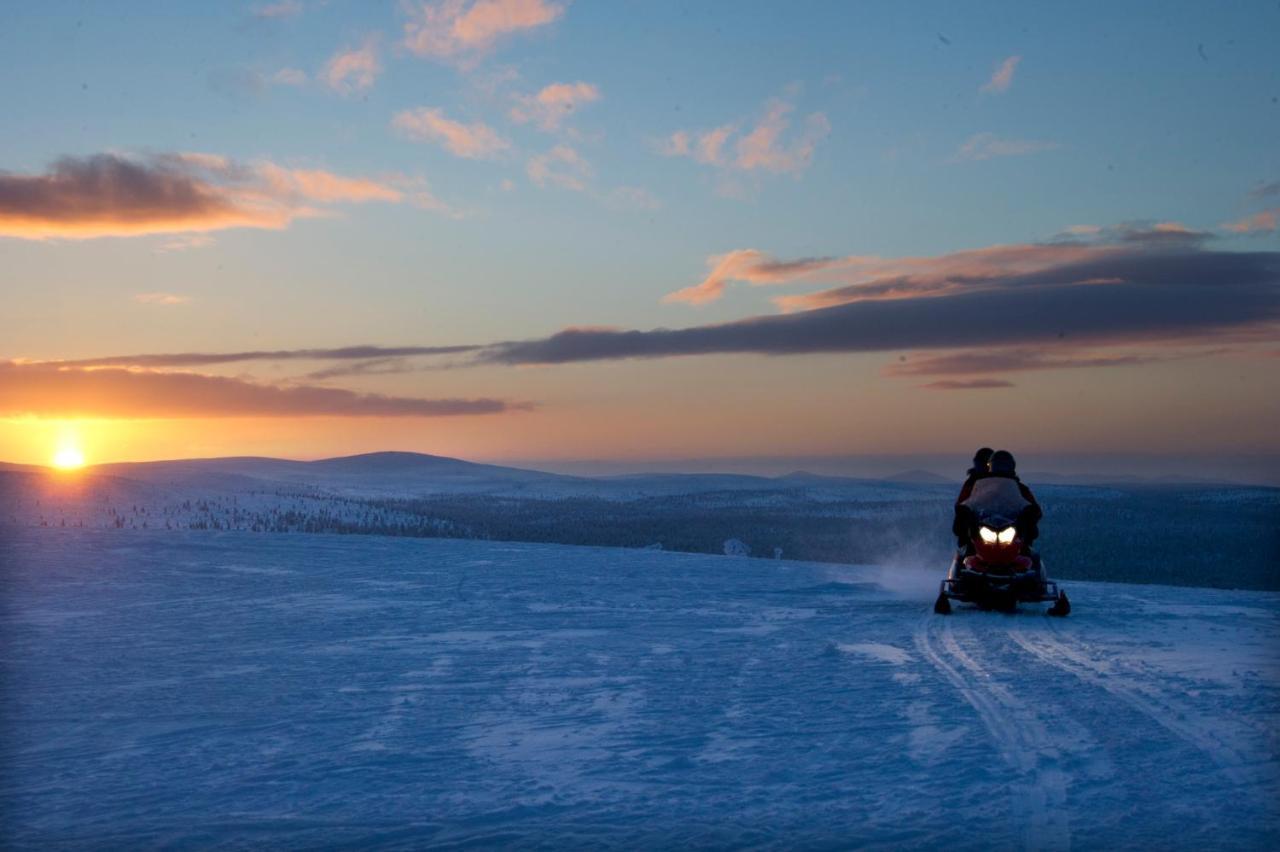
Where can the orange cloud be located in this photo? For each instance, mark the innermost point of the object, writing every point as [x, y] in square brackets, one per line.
[1258, 223]
[282, 9]
[161, 299]
[50, 391]
[562, 166]
[866, 277]
[113, 195]
[549, 107]
[1002, 77]
[872, 277]
[326, 187]
[461, 30]
[762, 147]
[749, 265]
[354, 70]
[474, 141]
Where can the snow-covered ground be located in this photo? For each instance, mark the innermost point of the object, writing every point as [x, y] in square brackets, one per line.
[185, 689]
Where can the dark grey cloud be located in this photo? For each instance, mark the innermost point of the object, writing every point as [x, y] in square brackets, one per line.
[1114, 297]
[1142, 233]
[107, 188]
[1271, 189]
[48, 391]
[111, 195]
[1008, 361]
[372, 367]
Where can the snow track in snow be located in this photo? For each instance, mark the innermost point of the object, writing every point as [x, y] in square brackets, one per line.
[1038, 785]
[1212, 736]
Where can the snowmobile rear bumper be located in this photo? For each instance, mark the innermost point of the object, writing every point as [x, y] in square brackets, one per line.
[973, 586]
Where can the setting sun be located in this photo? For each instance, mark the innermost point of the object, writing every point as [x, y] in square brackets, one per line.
[68, 458]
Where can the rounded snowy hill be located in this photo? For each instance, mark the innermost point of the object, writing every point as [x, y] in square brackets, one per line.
[231, 690]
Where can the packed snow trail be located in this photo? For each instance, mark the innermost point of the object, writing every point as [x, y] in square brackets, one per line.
[237, 690]
[1038, 785]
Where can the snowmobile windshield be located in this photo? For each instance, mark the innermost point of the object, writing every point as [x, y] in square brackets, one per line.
[996, 497]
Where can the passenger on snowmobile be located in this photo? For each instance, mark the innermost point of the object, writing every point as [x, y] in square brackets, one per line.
[981, 467]
[1028, 523]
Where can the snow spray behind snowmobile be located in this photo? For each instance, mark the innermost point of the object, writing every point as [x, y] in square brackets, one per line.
[996, 571]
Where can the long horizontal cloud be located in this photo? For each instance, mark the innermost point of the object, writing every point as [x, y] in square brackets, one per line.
[204, 359]
[47, 391]
[968, 384]
[875, 277]
[1111, 297]
[112, 195]
[1009, 361]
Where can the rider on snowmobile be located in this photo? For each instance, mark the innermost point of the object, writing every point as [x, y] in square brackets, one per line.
[1028, 524]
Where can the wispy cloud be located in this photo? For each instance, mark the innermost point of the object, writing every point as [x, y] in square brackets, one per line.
[279, 10]
[1012, 360]
[1002, 77]
[553, 104]
[371, 367]
[474, 141]
[762, 146]
[753, 266]
[1262, 222]
[51, 391]
[353, 70]
[161, 299]
[114, 195]
[462, 31]
[968, 384]
[985, 146]
[185, 242]
[562, 166]
[1139, 294]
[1270, 189]
[205, 359]
[632, 198]
[289, 77]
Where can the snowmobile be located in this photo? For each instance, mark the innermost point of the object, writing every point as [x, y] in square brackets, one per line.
[996, 571]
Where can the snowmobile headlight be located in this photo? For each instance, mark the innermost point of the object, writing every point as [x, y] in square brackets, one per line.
[1006, 535]
[989, 535]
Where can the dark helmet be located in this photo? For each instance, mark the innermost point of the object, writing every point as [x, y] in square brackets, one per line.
[981, 460]
[1003, 464]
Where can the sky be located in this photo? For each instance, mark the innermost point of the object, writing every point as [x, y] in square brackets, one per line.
[557, 231]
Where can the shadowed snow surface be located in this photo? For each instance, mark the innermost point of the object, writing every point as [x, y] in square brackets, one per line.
[235, 690]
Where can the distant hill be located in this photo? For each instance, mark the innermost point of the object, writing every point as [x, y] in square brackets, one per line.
[385, 473]
[921, 477]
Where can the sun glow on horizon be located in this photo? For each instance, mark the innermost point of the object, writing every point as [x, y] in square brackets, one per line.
[68, 458]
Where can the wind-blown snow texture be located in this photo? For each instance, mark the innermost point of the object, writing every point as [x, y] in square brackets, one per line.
[237, 690]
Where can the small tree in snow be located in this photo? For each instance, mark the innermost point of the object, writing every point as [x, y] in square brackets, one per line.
[734, 547]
